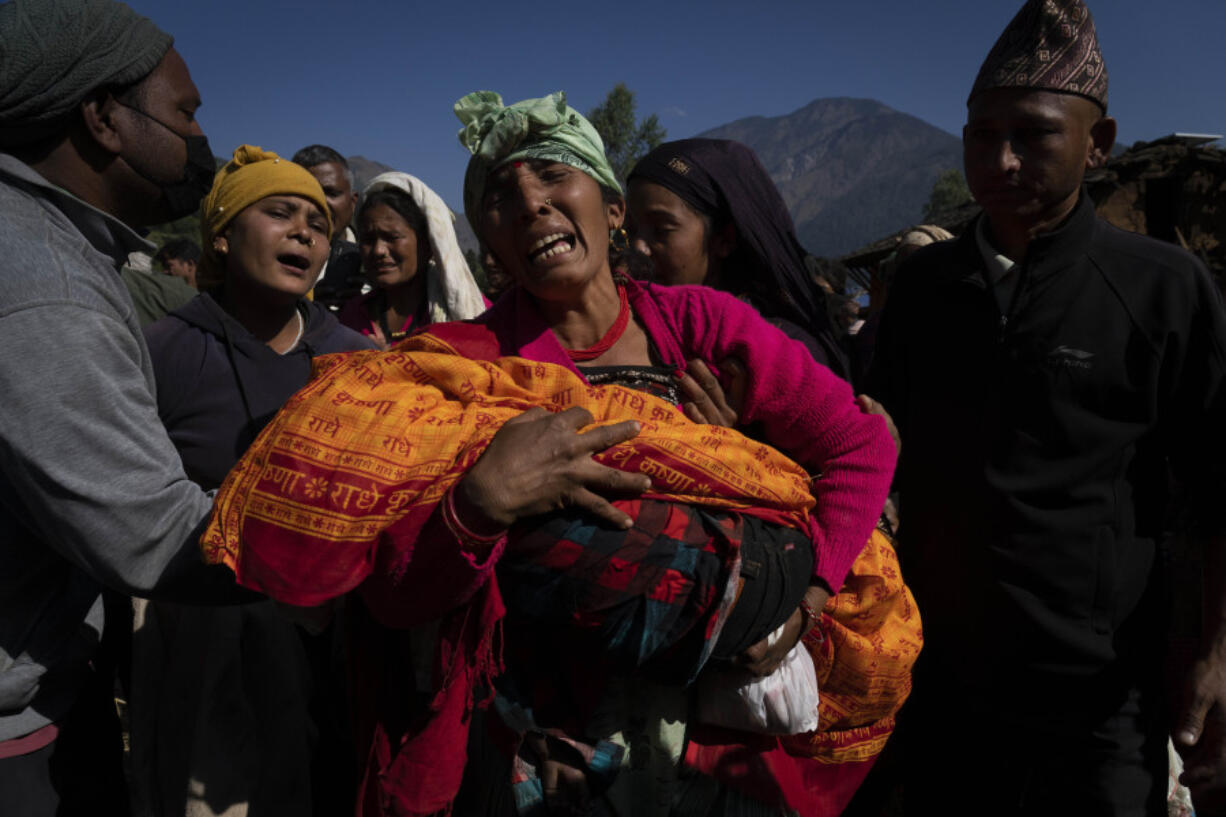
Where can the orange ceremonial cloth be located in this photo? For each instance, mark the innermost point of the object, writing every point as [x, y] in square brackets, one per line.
[872, 637]
[339, 484]
[863, 648]
[344, 477]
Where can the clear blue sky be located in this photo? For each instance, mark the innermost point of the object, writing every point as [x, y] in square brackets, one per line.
[379, 78]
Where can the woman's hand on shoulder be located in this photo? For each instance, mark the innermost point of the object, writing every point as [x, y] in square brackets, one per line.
[870, 406]
[539, 462]
[704, 400]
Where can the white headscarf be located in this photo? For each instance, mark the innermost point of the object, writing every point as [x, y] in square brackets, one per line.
[451, 292]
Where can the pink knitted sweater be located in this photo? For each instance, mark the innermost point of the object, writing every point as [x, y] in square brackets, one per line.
[800, 406]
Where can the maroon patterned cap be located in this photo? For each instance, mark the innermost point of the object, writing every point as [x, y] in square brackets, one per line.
[1050, 45]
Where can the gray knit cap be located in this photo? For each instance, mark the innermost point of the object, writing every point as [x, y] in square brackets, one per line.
[54, 52]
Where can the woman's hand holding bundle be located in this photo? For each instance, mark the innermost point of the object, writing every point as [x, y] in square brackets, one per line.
[539, 462]
[705, 399]
[764, 658]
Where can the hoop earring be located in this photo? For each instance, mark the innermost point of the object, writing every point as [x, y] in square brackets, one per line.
[619, 240]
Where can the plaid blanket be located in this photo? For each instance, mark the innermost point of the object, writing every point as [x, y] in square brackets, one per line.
[339, 487]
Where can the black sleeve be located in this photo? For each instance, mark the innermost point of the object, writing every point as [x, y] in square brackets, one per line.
[1195, 414]
[886, 380]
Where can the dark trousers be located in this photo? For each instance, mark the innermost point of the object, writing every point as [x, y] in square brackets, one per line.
[967, 755]
[776, 565]
[80, 772]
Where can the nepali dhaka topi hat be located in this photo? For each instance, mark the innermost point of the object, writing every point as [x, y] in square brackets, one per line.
[1051, 45]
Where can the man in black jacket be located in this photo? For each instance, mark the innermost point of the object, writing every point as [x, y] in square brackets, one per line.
[1048, 373]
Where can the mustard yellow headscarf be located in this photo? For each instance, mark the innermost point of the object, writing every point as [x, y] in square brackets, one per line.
[253, 174]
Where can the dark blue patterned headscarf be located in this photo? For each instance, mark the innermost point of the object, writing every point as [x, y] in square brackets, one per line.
[724, 181]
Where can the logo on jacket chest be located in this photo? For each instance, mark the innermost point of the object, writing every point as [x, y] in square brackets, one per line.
[1067, 357]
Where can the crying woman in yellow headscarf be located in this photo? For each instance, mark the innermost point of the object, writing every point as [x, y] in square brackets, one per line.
[222, 709]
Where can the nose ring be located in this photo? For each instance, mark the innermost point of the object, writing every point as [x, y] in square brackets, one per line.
[311, 243]
[548, 202]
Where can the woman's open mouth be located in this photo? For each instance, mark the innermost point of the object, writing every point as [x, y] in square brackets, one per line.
[298, 263]
[550, 246]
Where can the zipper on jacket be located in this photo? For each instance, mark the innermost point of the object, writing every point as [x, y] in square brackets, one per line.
[1007, 315]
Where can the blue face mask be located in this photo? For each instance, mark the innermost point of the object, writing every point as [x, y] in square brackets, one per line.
[182, 197]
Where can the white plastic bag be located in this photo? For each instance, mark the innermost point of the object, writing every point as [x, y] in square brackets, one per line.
[782, 703]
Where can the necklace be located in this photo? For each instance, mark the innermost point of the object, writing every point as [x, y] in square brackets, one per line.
[611, 337]
[297, 337]
[655, 380]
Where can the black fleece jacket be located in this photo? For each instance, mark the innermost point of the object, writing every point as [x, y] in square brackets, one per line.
[1036, 449]
[218, 385]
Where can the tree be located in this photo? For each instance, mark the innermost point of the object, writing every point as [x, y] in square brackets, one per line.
[625, 142]
[948, 192]
[186, 227]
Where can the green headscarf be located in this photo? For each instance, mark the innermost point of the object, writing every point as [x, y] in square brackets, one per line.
[54, 52]
[545, 128]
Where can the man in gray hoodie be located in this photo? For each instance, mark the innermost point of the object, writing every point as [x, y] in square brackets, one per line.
[97, 138]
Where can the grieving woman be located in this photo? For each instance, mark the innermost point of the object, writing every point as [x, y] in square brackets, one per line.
[234, 707]
[544, 439]
[407, 242]
[706, 212]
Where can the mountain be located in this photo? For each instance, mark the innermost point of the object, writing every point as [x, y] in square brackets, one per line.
[850, 170]
[364, 170]
[464, 235]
